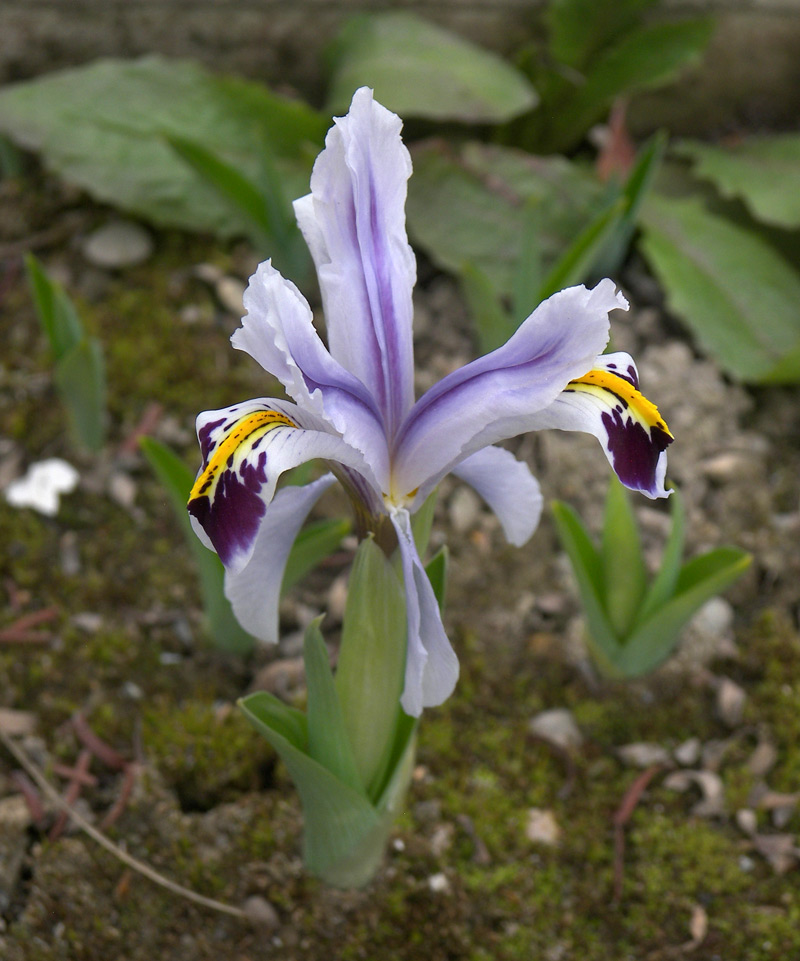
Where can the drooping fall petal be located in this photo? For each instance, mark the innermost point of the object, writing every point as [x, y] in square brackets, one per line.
[245, 450]
[501, 394]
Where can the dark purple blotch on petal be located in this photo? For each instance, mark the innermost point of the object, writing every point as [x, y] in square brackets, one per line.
[233, 518]
[204, 436]
[634, 450]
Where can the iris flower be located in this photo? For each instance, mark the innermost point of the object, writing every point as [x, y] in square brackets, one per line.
[353, 401]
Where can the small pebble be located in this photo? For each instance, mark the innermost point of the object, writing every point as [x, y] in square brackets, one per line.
[730, 702]
[763, 759]
[442, 839]
[558, 727]
[542, 827]
[688, 753]
[119, 243]
[261, 914]
[88, 621]
[715, 617]
[643, 754]
[747, 820]
[230, 291]
[464, 509]
[280, 677]
[730, 465]
[122, 489]
[16, 723]
[69, 555]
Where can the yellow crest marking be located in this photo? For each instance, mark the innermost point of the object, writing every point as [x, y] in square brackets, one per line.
[245, 430]
[600, 381]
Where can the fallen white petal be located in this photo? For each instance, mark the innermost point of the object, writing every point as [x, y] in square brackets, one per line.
[42, 485]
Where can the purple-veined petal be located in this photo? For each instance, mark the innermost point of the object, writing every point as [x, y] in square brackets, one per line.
[256, 590]
[606, 402]
[431, 662]
[245, 450]
[354, 224]
[279, 333]
[500, 395]
[508, 487]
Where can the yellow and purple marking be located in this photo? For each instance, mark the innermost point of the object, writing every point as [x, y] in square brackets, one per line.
[225, 497]
[636, 433]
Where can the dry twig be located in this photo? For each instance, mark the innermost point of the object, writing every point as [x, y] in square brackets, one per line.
[139, 866]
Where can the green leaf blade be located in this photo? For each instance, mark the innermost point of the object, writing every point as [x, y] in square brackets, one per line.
[420, 70]
[177, 479]
[55, 310]
[587, 567]
[102, 126]
[624, 572]
[665, 581]
[343, 834]
[453, 190]
[371, 668]
[80, 378]
[493, 325]
[700, 579]
[735, 292]
[763, 171]
[328, 742]
[312, 545]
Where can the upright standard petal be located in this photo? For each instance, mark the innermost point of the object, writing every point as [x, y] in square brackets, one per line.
[245, 450]
[508, 487]
[278, 332]
[255, 591]
[606, 402]
[354, 224]
[431, 662]
[501, 394]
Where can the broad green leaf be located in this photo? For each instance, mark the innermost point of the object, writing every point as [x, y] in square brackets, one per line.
[230, 183]
[587, 565]
[662, 588]
[763, 171]
[646, 57]
[343, 834]
[493, 325]
[701, 579]
[12, 164]
[312, 545]
[103, 127]
[577, 260]
[54, 308]
[624, 572]
[80, 378]
[436, 569]
[420, 70]
[371, 669]
[637, 186]
[578, 28]
[260, 201]
[177, 479]
[471, 206]
[526, 282]
[328, 742]
[729, 286]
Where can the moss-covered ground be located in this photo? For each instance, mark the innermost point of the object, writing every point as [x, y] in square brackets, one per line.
[213, 809]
